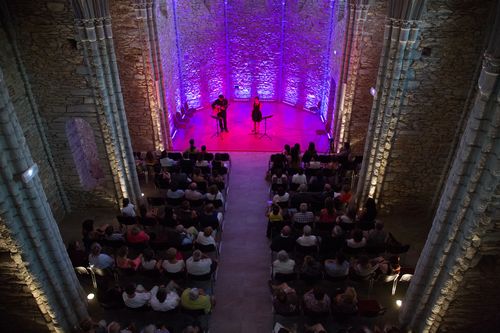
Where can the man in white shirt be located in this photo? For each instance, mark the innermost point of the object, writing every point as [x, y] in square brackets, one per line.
[307, 239]
[164, 300]
[299, 178]
[128, 209]
[198, 264]
[135, 297]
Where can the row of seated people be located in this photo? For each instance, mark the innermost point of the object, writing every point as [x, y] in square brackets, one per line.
[88, 325]
[313, 179]
[181, 178]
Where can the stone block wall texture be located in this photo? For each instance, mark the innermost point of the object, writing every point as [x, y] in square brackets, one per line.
[254, 29]
[434, 105]
[307, 30]
[133, 73]
[165, 26]
[202, 46]
[333, 84]
[371, 48]
[58, 77]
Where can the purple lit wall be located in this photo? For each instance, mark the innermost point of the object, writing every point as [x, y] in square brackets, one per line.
[169, 59]
[307, 32]
[254, 33]
[202, 50]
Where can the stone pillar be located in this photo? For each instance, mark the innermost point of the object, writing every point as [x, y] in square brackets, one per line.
[93, 25]
[154, 77]
[468, 208]
[28, 229]
[352, 55]
[400, 40]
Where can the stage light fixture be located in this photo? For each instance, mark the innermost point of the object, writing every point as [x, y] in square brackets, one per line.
[90, 296]
[373, 91]
[399, 303]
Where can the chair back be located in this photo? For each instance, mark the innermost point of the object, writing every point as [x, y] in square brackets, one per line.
[126, 220]
[203, 277]
[282, 277]
[222, 157]
[205, 248]
[176, 156]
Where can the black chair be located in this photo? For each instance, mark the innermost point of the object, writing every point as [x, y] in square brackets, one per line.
[126, 220]
[208, 157]
[174, 156]
[205, 248]
[202, 187]
[222, 157]
[281, 277]
[174, 202]
[325, 159]
[306, 250]
[156, 201]
[175, 276]
[114, 244]
[148, 221]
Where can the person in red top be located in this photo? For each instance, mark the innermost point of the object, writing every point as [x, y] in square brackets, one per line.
[345, 194]
[136, 236]
[328, 214]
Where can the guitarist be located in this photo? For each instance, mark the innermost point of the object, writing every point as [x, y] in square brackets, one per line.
[222, 104]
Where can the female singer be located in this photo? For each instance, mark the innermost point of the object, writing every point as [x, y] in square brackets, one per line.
[256, 114]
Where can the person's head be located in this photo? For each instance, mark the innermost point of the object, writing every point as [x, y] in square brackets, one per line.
[122, 251]
[286, 231]
[148, 254]
[370, 204]
[330, 205]
[319, 293]
[302, 188]
[256, 100]
[213, 189]
[135, 230]
[394, 261]
[283, 256]
[193, 186]
[303, 207]
[209, 209]
[113, 327]
[309, 260]
[185, 205]
[327, 188]
[379, 226]
[357, 235]
[203, 149]
[171, 253]
[340, 257]
[207, 232]
[279, 172]
[109, 230]
[337, 231]
[300, 171]
[281, 295]
[161, 295]
[197, 172]
[311, 147]
[125, 202]
[194, 293]
[221, 97]
[307, 230]
[87, 226]
[95, 249]
[130, 289]
[276, 209]
[281, 191]
[287, 148]
[191, 142]
[74, 246]
[197, 255]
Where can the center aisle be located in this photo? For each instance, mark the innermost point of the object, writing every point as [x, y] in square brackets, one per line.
[241, 290]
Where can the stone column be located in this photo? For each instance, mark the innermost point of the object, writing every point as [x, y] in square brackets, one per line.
[154, 77]
[93, 25]
[28, 229]
[400, 40]
[468, 206]
[352, 55]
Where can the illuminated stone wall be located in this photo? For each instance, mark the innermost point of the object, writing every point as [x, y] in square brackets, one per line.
[431, 118]
[202, 43]
[254, 30]
[307, 31]
[58, 80]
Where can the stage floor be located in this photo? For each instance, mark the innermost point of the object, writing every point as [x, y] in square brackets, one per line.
[288, 125]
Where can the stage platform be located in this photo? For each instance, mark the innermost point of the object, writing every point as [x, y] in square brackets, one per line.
[288, 125]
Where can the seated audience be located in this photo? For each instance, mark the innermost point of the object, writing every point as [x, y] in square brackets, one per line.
[91, 235]
[364, 267]
[333, 243]
[186, 238]
[345, 194]
[301, 196]
[196, 299]
[186, 215]
[111, 235]
[348, 218]
[377, 236]
[124, 262]
[210, 217]
[314, 164]
[135, 296]
[369, 213]
[198, 175]
[281, 197]
[311, 268]
[128, 209]
[214, 194]
[390, 266]
[303, 216]
[338, 267]
[199, 264]
[137, 236]
[164, 298]
[299, 178]
[77, 254]
[174, 192]
[316, 302]
[346, 303]
[192, 193]
[205, 237]
[148, 261]
[316, 328]
[317, 182]
[307, 239]
[285, 300]
[173, 264]
[274, 219]
[283, 264]
[284, 241]
[279, 178]
[201, 162]
[357, 240]
[98, 259]
[328, 214]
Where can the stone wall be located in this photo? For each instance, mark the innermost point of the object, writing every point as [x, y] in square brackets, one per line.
[165, 27]
[202, 43]
[437, 91]
[45, 36]
[371, 47]
[133, 74]
[307, 30]
[254, 30]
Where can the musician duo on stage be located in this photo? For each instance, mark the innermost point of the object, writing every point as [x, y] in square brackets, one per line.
[219, 109]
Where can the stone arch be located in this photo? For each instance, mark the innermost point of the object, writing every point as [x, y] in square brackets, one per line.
[84, 151]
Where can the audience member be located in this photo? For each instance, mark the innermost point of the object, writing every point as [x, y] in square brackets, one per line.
[284, 241]
[285, 300]
[205, 237]
[330, 245]
[328, 214]
[137, 236]
[275, 220]
[148, 261]
[377, 236]
[192, 148]
[307, 239]
[123, 261]
[316, 302]
[164, 298]
[196, 299]
[209, 217]
[111, 235]
[135, 296]
[299, 178]
[338, 267]
[283, 264]
[303, 216]
[364, 267]
[311, 268]
[346, 303]
[98, 259]
[357, 240]
[192, 193]
[345, 194]
[77, 254]
[174, 192]
[173, 264]
[281, 197]
[128, 209]
[199, 264]
[214, 194]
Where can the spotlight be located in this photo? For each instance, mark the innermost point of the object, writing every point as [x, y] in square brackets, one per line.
[29, 174]
[90, 296]
[373, 91]
[335, 52]
[142, 194]
[399, 303]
